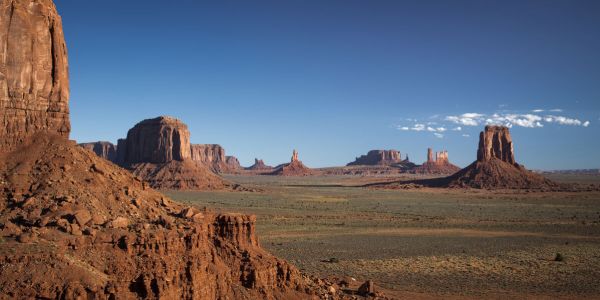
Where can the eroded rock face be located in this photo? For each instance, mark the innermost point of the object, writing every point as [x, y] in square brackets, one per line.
[378, 157]
[232, 163]
[34, 81]
[106, 150]
[495, 142]
[213, 156]
[158, 140]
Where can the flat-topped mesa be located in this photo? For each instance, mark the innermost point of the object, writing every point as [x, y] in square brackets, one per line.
[378, 157]
[106, 150]
[158, 150]
[495, 142]
[158, 140]
[213, 156]
[34, 79]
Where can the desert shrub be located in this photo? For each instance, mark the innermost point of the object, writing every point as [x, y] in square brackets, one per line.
[559, 257]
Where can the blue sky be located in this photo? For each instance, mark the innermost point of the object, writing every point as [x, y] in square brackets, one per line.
[335, 79]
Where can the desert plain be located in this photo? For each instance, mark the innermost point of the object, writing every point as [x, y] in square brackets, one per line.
[425, 242]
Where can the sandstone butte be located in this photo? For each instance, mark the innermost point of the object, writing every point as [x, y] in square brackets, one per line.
[211, 156]
[75, 226]
[294, 168]
[259, 165]
[158, 151]
[495, 167]
[440, 164]
[378, 157]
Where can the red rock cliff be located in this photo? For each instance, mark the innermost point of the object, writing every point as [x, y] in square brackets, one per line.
[213, 156]
[158, 140]
[34, 81]
[105, 150]
[495, 141]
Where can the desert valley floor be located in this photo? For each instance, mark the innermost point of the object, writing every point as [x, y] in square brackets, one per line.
[420, 243]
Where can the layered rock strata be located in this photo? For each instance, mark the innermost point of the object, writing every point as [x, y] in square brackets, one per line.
[106, 150]
[213, 156]
[34, 81]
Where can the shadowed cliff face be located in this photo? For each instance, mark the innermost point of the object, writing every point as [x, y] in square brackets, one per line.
[34, 83]
[158, 140]
[495, 142]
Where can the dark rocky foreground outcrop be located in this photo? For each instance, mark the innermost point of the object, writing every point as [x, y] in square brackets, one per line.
[79, 226]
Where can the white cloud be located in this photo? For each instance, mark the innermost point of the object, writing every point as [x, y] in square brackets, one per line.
[437, 129]
[466, 119]
[510, 120]
[527, 120]
[564, 120]
[556, 110]
[418, 127]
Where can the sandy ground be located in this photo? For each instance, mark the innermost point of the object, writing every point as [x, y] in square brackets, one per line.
[427, 243]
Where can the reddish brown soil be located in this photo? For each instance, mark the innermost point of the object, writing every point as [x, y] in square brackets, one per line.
[74, 226]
